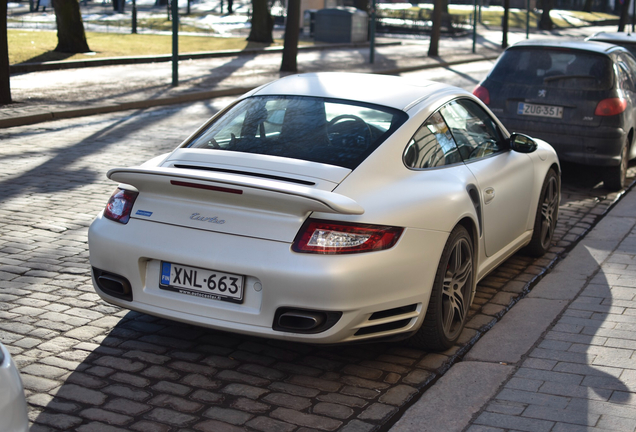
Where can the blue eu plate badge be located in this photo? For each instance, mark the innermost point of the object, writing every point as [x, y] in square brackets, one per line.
[165, 273]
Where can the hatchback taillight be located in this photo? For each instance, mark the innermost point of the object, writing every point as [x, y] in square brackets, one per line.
[610, 107]
[120, 205]
[482, 93]
[328, 237]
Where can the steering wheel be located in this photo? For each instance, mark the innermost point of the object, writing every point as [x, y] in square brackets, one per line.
[366, 133]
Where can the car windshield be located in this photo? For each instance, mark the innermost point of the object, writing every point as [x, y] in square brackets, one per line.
[329, 131]
[564, 68]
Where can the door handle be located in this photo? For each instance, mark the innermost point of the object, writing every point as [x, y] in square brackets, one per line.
[489, 195]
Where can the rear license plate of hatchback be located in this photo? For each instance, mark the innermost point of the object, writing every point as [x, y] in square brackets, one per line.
[202, 283]
[539, 110]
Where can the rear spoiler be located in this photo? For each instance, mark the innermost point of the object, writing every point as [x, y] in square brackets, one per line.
[158, 179]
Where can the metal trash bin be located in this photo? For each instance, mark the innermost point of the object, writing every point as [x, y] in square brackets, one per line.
[341, 24]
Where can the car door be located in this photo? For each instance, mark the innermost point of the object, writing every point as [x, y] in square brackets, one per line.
[627, 83]
[504, 177]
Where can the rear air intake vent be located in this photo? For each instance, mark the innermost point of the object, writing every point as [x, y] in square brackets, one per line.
[247, 173]
[383, 327]
[393, 312]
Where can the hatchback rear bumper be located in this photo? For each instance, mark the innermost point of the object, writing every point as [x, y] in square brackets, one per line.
[597, 146]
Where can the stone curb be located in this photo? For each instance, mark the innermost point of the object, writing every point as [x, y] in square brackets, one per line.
[193, 97]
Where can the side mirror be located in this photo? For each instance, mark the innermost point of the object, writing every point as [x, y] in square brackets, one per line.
[522, 143]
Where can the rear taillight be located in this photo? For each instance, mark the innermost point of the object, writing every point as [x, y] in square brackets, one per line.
[328, 237]
[482, 93]
[120, 205]
[610, 107]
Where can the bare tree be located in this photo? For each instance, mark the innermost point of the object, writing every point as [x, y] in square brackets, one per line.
[70, 27]
[5, 88]
[292, 28]
[438, 8]
[545, 23]
[362, 5]
[262, 23]
[622, 21]
[504, 27]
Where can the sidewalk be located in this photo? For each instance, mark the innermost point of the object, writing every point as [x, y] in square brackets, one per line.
[562, 359]
[49, 95]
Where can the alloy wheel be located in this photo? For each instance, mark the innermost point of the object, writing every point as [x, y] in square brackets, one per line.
[549, 208]
[456, 290]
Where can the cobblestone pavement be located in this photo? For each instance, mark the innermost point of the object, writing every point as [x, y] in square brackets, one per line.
[89, 366]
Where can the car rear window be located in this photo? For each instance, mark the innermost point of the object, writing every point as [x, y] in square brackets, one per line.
[563, 68]
[330, 131]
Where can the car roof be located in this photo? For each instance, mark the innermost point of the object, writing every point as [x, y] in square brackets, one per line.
[391, 91]
[577, 44]
[613, 36]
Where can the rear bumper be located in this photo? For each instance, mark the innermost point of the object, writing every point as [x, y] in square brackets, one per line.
[356, 285]
[596, 146]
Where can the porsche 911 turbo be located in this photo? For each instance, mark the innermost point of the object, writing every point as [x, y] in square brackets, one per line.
[328, 208]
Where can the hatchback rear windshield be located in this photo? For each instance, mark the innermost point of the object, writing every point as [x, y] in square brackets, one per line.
[563, 68]
[329, 131]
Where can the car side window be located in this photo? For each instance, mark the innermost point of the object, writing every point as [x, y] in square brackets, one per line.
[431, 146]
[475, 132]
[626, 71]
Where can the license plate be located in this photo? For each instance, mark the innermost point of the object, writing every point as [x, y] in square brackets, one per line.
[539, 110]
[202, 283]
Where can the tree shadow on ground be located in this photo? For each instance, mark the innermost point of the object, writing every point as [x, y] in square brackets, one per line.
[48, 57]
[58, 161]
[577, 377]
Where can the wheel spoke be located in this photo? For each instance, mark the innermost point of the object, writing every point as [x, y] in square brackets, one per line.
[447, 286]
[457, 258]
[448, 315]
[462, 275]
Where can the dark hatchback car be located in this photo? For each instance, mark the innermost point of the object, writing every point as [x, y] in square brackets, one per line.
[578, 96]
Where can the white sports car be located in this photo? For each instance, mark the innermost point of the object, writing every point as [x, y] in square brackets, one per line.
[327, 208]
[13, 406]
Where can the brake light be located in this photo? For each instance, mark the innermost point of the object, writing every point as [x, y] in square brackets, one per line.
[610, 107]
[328, 237]
[482, 93]
[120, 205]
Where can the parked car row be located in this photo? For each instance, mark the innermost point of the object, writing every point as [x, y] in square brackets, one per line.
[580, 96]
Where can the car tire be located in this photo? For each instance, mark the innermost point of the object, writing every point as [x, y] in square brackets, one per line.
[546, 216]
[451, 295]
[615, 176]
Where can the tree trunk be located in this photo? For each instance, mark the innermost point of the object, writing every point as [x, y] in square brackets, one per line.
[5, 88]
[624, 16]
[262, 23]
[70, 28]
[292, 29]
[362, 5]
[433, 48]
[545, 23]
[504, 27]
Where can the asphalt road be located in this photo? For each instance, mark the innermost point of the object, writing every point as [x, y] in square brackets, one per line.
[89, 366]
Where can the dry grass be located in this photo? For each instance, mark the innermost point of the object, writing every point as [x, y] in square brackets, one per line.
[37, 46]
